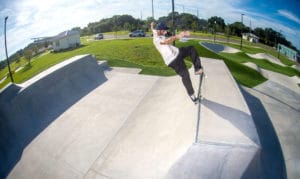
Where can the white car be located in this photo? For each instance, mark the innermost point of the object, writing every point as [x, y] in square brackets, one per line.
[98, 36]
[137, 33]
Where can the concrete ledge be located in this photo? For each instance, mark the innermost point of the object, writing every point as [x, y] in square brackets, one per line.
[225, 115]
[208, 160]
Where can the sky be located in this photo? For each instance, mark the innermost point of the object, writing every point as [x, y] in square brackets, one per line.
[29, 19]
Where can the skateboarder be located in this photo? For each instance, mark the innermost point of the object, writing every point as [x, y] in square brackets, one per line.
[174, 57]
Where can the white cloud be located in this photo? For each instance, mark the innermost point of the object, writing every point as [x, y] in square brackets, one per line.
[31, 18]
[289, 15]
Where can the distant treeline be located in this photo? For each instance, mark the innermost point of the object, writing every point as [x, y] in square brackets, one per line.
[182, 21]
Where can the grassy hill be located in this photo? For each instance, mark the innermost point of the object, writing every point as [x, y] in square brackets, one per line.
[136, 52]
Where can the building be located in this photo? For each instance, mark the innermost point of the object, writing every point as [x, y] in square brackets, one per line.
[290, 53]
[250, 37]
[65, 40]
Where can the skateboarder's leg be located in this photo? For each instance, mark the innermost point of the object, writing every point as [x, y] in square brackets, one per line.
[180, 68]
[186, 80]
[190, 51]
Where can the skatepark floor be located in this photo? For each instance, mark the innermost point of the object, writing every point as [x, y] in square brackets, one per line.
[126, 125]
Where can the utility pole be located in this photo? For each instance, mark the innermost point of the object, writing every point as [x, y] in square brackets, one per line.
[250, 29]
[242, 32]
[152, 10]
[10, 74]
[173, 26]
[197, 19]
[215, 28]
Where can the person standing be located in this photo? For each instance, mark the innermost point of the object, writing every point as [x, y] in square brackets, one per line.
[174, 57]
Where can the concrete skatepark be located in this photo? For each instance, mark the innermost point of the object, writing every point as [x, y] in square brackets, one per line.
[81, 119]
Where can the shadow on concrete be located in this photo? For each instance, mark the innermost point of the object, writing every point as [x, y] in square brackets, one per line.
[26, 112]
[271, 157]
[238, 118]
[218, 160]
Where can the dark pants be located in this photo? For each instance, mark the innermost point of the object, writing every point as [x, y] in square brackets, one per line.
[180, 68]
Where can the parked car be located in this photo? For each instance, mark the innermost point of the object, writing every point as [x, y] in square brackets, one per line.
[137, 33]
[98, 36]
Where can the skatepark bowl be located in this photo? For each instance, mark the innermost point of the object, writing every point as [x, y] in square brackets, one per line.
[84, 119]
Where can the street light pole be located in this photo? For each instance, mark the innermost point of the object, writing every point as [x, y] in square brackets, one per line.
[10, 74]
[242, 32]
[173, 20]
[215, 32]
[197, 20]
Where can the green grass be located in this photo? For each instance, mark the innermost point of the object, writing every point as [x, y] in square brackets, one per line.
[242, 74]
[118, 32]
[136, 53]
[241, 57]
[260, 48]
[248, 47]
[13, 66]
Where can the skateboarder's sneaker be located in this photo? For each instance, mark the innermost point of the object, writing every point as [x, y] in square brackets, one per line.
[194, 99]
[199, 71]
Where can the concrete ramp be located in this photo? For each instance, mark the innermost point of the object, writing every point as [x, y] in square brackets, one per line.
[27, 109]
[266, 56]
[288, 82]
[125, 125]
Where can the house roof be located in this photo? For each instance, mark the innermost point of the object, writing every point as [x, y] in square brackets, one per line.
[65, 34]
[58, 36]
[251, 35]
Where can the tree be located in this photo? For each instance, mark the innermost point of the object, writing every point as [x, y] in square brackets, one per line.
[237, 28]
[76, 29]
[148, 22]
[270, 36]
[127, 26]
[188, 21]
[227, 32]
[35, 49]
[17, 58]
[28, 55]
[202, 24]
[216, 23]
[259, 32]
[194, 26]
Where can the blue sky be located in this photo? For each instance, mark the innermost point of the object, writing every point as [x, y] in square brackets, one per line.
[35, 18]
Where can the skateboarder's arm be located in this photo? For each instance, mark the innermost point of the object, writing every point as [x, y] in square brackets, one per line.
[173, 38]
[152, 25]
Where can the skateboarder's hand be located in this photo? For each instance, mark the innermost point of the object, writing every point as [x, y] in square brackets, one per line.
[183, 34]
[152, 25]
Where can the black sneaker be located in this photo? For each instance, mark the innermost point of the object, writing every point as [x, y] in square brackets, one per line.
[195, 100]
[199, 71]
